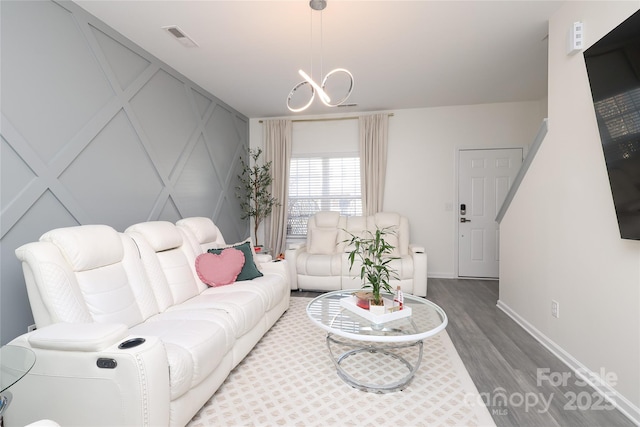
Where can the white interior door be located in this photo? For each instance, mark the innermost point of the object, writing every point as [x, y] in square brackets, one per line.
[484, 178]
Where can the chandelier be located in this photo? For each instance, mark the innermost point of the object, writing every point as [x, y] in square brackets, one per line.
[309, 86]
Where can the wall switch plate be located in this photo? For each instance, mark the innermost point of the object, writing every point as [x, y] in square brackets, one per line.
[576, 38]
[555, 309]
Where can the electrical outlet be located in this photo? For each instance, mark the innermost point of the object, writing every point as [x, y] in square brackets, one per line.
[31, 328]
[555, 309]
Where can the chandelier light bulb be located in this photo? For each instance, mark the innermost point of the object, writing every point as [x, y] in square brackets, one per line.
[323, 95]
[349, 90]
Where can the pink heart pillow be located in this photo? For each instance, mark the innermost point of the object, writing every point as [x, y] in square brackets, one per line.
[222, 269]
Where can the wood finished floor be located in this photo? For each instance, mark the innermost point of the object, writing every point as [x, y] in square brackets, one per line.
[504, 362]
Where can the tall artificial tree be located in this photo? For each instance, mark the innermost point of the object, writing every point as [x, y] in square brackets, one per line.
[254, 190]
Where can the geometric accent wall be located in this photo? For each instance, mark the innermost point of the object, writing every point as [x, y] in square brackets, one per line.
[96, 130]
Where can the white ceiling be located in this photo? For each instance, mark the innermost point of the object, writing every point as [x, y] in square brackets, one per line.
[403, 54]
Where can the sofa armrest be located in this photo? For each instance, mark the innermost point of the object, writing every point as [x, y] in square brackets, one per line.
[83, 337]
[74, 385]
[262, 258]
[419, 271]
[416, 249]
[297, 245]
[278, 267]
[291, 255]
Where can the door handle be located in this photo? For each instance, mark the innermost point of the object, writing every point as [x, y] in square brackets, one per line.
[465, 220]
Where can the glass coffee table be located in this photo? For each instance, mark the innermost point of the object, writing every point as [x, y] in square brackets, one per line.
[374, 357]
[15, 363]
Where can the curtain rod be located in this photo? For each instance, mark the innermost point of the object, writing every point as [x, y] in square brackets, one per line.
[324, 120]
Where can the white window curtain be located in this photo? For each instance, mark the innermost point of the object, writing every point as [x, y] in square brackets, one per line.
[277, 150]
[374, 131]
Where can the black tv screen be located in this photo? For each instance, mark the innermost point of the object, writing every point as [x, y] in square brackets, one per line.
[613, 67]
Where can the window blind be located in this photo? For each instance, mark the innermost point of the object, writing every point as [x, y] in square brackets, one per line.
[327, 182]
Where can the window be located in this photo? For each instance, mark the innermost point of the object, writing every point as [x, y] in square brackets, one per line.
[322, 183]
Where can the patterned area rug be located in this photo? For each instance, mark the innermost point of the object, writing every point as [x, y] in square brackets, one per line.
[288, 379]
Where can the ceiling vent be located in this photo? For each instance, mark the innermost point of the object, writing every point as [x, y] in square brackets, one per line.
[180, 35]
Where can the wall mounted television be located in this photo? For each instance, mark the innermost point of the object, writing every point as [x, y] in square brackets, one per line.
[613, 67]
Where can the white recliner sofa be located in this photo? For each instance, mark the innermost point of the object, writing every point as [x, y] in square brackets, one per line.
[321, 263]
[127, 333]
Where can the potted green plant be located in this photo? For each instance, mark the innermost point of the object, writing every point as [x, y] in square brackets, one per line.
[254, 190]
[374, 253]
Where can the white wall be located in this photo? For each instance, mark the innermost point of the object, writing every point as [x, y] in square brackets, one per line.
[421, 170]
[316, 137]
[560, 239]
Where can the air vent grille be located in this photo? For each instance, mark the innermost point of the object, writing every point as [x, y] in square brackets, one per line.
[178, 34]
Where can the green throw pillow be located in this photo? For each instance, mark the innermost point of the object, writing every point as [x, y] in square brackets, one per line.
[249, 269]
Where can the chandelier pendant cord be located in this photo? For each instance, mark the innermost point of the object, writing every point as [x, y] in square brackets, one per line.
[321, 46]
[311, 41]
[311, 47]
[315, 87]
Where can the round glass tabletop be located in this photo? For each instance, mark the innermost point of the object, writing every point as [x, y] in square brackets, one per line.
[15, 363]
[426, 319]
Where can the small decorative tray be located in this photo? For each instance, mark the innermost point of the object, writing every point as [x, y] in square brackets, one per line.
[351, 303]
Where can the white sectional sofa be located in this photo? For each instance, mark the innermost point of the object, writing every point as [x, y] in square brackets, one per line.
[321, 263]
[127, 333]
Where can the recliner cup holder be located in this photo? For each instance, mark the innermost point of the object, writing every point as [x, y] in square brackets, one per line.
[133, 342]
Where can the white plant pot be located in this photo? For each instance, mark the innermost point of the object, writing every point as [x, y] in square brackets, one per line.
[376, 310]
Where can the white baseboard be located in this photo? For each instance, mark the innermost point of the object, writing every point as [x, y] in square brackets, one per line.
[621, 403]
[431, 275]
[437, 275]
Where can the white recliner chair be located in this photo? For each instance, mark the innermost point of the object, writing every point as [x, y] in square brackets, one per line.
[317, 264]
[321, 263]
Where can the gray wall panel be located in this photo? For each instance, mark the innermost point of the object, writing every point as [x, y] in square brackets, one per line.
[197, 188]
[51, 82]
[202, 102]
[125, 64]
[170, 212]
[96, 130]
[166, 117]
[12, 165]
[133, 182]
[222, 139]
